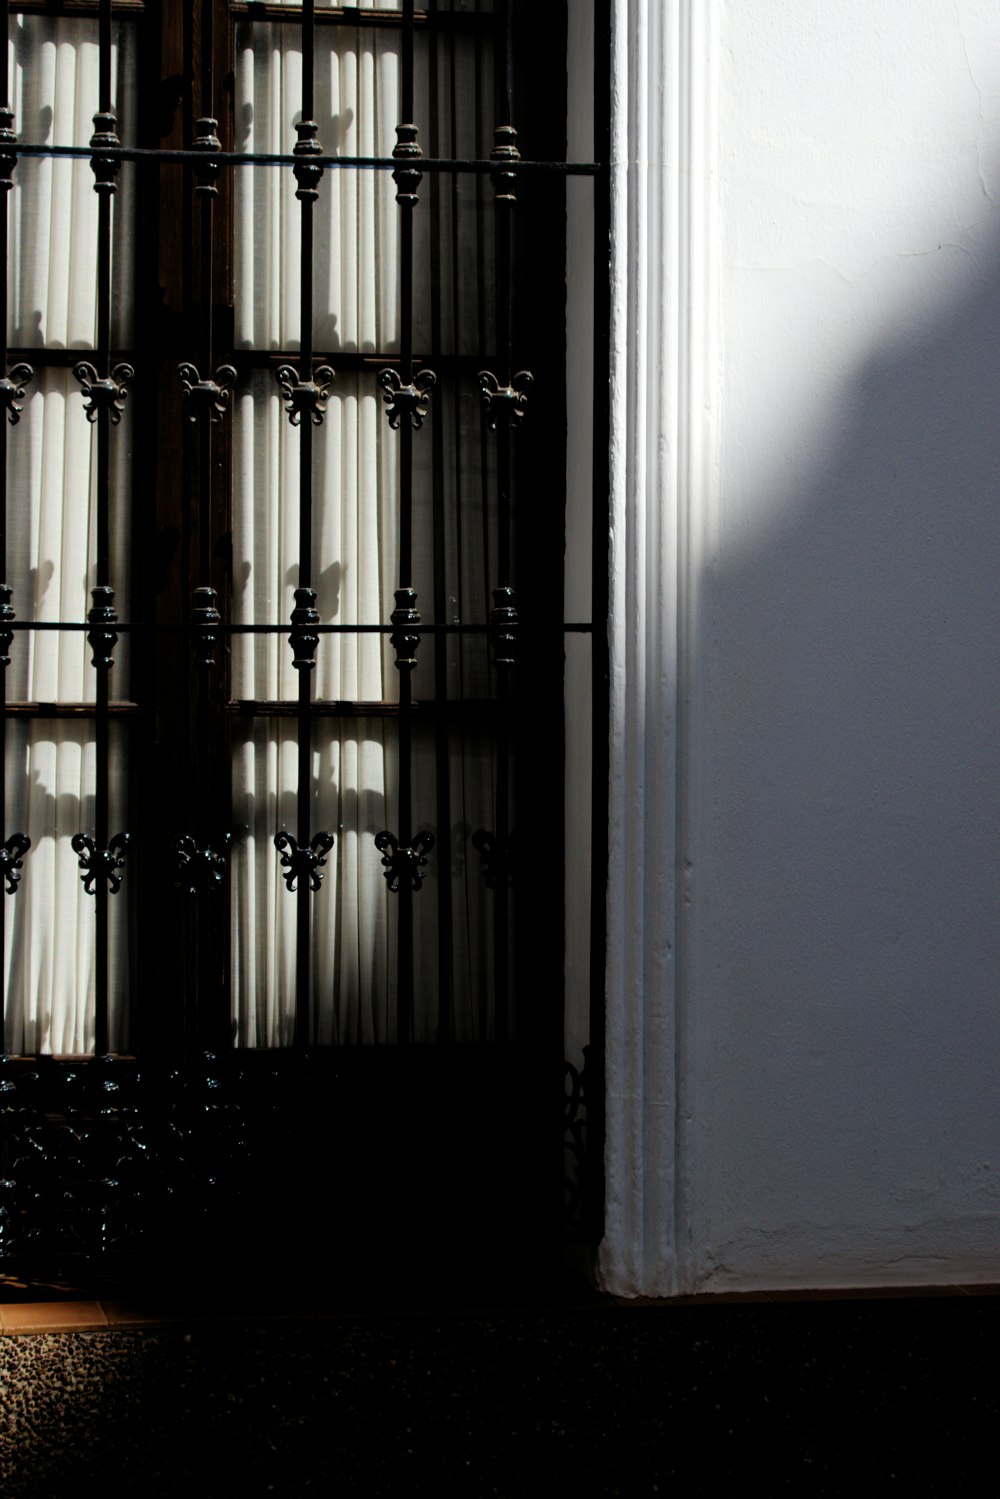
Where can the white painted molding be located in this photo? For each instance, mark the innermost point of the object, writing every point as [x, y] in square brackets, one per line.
[663, 467]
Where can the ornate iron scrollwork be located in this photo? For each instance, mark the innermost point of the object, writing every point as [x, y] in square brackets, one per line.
[12, 390]
[307, 173]
[104, 168]
[403, 862]
[103, 637]
[200, 869]
[206, 397]
[11, 859]
[496, 858]
[305, 863]
[407, 178]
[305, 397]
[504, 152]
[103, 393]
[505, 403]
[101, 863]
[411, 400]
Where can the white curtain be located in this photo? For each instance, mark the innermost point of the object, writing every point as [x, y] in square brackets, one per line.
[51, 509]
[355, 546]
[355, 543]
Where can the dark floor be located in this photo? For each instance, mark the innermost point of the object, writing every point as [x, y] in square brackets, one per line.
[591, 1397]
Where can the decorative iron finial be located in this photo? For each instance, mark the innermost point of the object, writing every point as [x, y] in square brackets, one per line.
[12, 390]
[405, 638]
[303, 639]
[306, 172]
[103, 637]
[206, 172]
[503, 627]
[305, 397]
[204, 616]
[206, 397]
[11, 859]
[504, 152]
[105, 168]
[200, 869]
[411, 400]
[103, 393]
[504, 403]
[404, 862]
[6, 615]
[101, 863]
[8, 157]
[407, 178]
[303, 863]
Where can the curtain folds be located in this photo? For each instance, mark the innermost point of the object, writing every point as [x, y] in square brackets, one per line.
[51, 519]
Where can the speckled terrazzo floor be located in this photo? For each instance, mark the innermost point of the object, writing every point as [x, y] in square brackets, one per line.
[834, 1397]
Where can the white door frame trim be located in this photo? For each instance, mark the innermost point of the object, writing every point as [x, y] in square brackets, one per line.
[662, 512]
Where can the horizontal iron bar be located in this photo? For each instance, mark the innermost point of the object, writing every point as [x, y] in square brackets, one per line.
[343, 362]
[342, 708]
[566, 627]
[352, 15]
[275, 159]
[69, 710]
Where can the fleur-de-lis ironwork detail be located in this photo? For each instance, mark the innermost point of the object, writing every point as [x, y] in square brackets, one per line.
[506, 403]
[12, 390]
[407, 178]
[305, 863]
[411, 400]
[405, 638]
[503, 626]
[6, 615]
[105, 168]
[204, 616]
[103, 392]
[504, 152]
[101, 863]
[403, 862]
[206, 139]
[307, 173]
[305, 397]
[496, 857]
[303, 639]
[103, 637]
[206, 397]
[200, 869]
[11, 859]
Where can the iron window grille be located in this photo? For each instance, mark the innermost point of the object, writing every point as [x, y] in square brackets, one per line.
[165, 851]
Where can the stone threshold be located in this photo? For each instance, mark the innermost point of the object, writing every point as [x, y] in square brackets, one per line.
[110, 1316]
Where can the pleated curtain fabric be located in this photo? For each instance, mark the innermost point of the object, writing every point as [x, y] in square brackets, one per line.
[49, 958]
[355, 520]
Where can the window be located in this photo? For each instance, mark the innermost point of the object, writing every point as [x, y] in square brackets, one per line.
[288, 476]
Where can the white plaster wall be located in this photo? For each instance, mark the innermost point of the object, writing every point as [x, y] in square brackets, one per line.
[838, 984]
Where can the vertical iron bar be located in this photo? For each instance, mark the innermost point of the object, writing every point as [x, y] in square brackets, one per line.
[102, 663]
[13, 848]
[445, 891]
[305, 597]
[405, 980]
